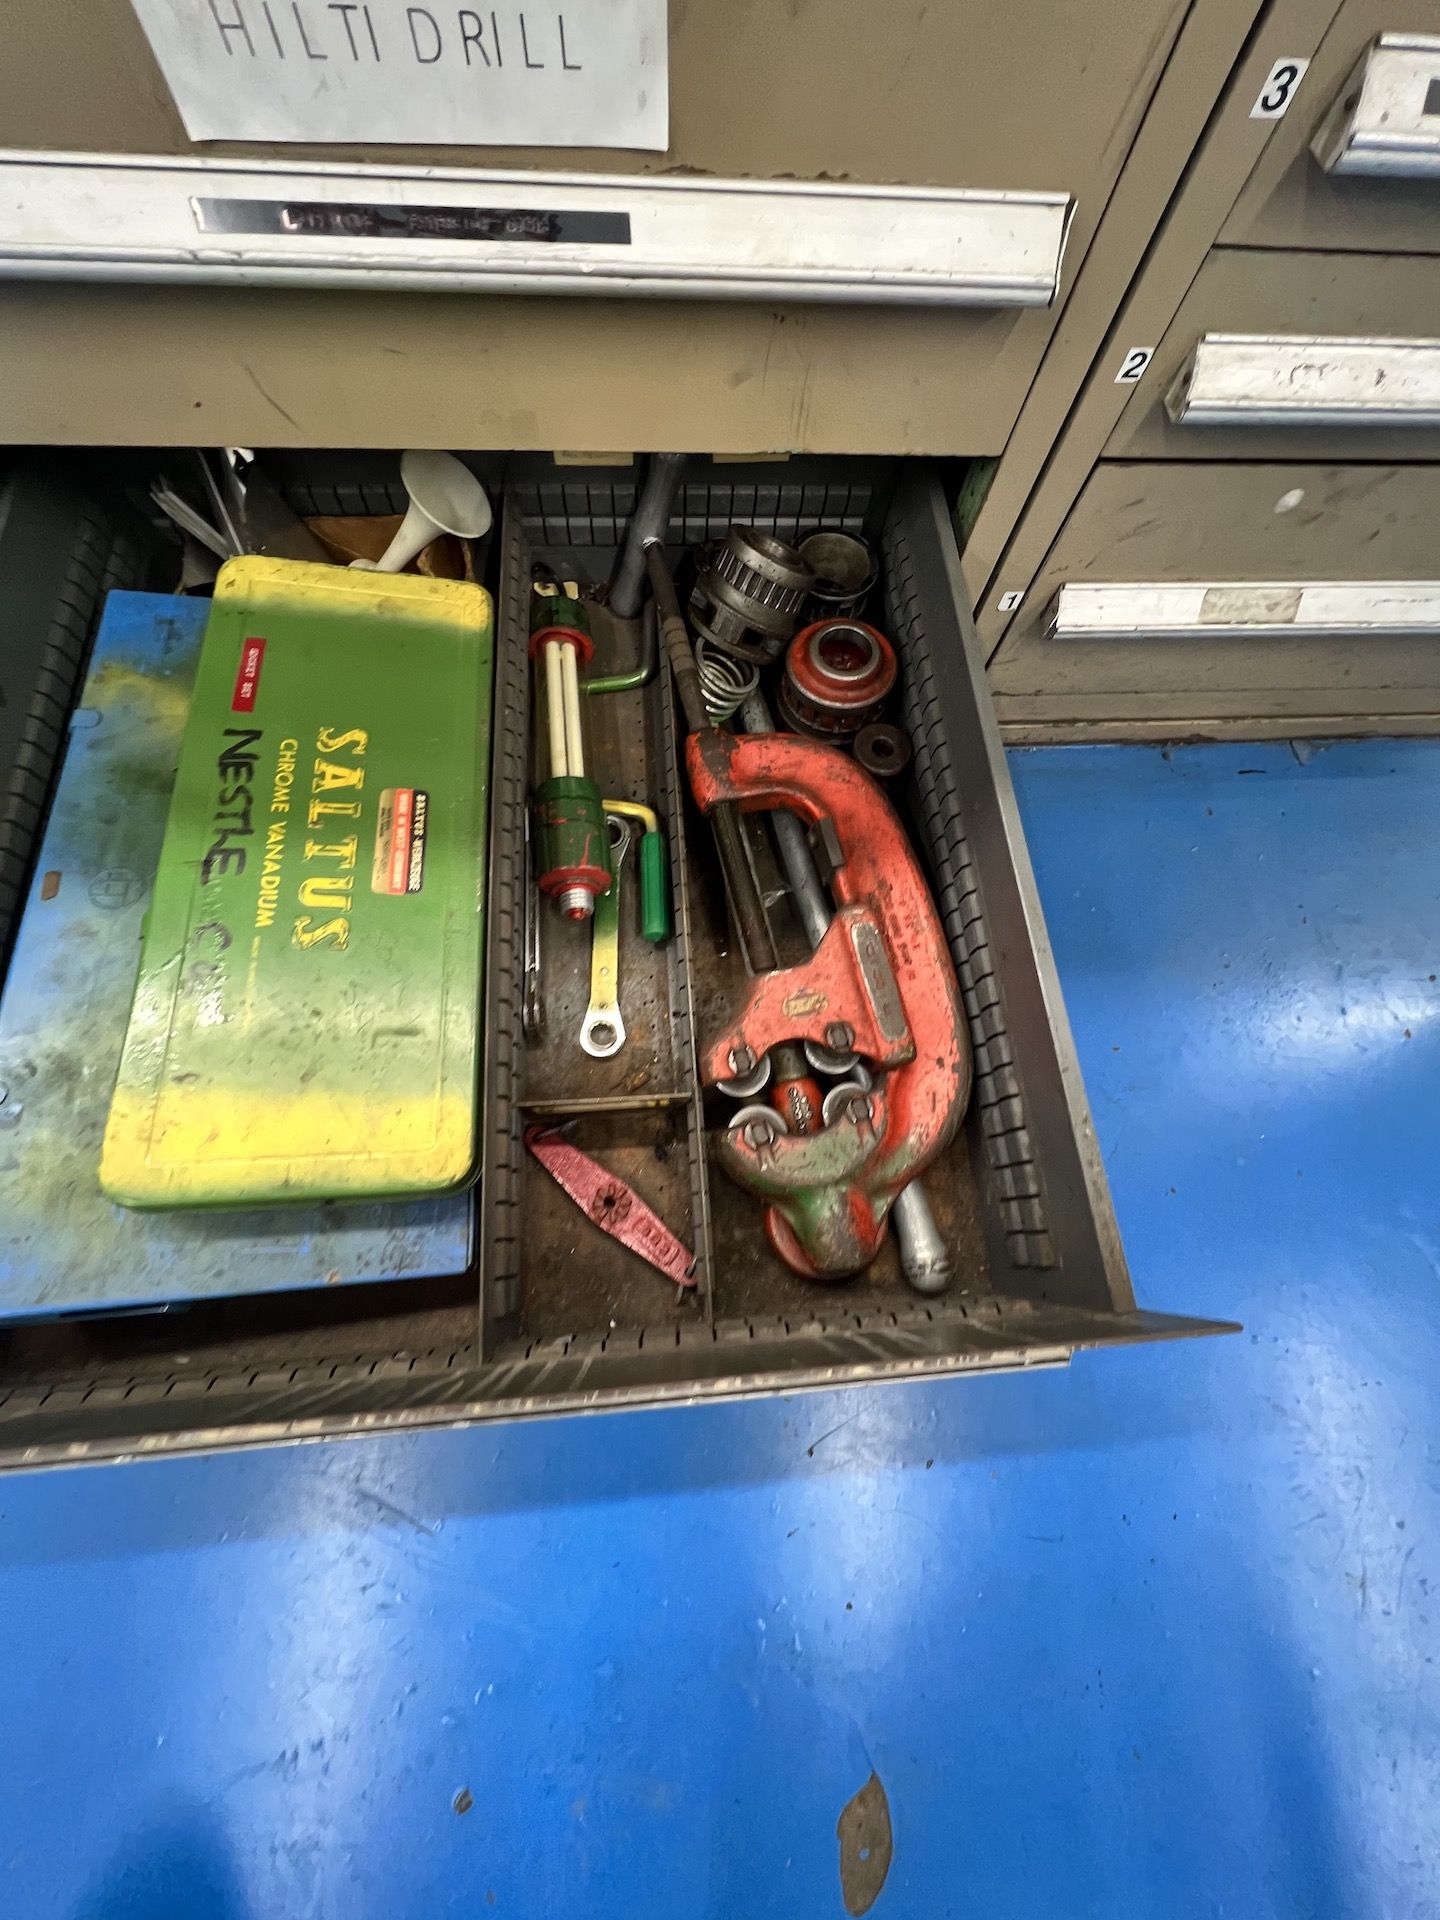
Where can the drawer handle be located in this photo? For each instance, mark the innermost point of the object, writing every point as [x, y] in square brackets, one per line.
[1284, 380]
[1385, 124]
[1257, 609]
[69, 216]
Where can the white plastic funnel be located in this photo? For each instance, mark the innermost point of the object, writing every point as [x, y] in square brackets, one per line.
[445, 497]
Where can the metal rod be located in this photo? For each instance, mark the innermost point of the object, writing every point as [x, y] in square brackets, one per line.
[570, 685]
[650, 521]
[555, 711]
[924, 1257]
[812, 905]
[741, 890]
[639, 676]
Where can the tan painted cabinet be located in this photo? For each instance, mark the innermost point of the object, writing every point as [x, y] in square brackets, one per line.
[1025, 97]
[1234, 529]
[1129, 296]
[1291, 201]
[1172, 662]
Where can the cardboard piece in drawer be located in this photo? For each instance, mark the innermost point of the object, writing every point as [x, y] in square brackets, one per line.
[63, 1246]
[306, 1020]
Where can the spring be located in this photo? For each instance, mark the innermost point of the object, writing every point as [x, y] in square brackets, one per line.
[724, 680]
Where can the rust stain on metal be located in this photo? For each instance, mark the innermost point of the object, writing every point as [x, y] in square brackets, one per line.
[866, 1846]
[713, 746]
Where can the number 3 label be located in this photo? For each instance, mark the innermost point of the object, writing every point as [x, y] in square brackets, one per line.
[1279, 89]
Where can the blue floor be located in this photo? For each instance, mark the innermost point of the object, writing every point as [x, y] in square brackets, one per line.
[1152, 1636]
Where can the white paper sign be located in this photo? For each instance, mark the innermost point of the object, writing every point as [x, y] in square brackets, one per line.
[576, 73]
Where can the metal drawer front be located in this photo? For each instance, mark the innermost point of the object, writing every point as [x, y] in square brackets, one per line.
[829, 93]
[1359, 111]
[1315, 355]
[1181, 593]
[1261, 380]
[1386, 120]
[1258, 608]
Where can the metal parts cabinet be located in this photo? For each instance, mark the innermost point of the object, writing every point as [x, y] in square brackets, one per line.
[125, 327]
[1284, 341]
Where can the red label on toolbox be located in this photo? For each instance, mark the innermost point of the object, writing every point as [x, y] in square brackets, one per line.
[403, 821]
[401, 828]
[247, 680]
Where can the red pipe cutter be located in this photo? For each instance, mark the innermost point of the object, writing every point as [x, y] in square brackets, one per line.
[881, 982]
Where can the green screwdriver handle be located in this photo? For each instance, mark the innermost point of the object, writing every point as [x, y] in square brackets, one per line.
[654, 888]
[655, 922]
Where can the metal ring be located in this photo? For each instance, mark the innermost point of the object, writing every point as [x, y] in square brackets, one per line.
[833, 630]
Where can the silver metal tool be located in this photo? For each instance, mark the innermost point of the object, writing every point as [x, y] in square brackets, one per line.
[532, 1006]
[189, 521]
[748, 595]
[602, 1034]
[269, 525]
[227, 501]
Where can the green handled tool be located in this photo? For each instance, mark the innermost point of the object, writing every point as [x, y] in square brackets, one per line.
[655, 923]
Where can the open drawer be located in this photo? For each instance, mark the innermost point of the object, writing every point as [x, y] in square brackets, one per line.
[548, 1318]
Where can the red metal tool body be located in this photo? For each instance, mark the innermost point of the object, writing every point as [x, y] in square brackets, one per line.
[838, 674]
[881, 982]
[612, 1206]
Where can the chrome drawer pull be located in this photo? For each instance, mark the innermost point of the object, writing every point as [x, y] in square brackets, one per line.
[1300, 609]
[1282, 380]
[70, 216]
[1386, 121]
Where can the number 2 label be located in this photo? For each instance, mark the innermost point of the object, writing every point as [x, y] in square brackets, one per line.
[1136, 360]
[1279, 88]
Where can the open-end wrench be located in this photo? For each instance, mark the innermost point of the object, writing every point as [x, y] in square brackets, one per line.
[602, 1033]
